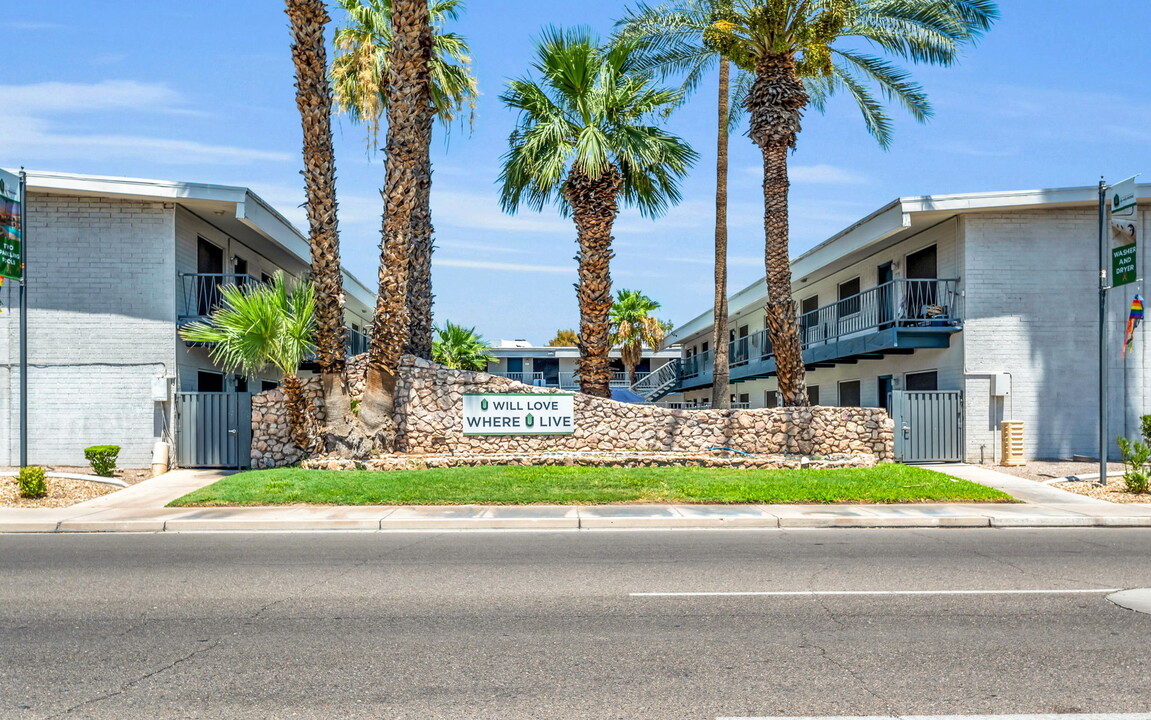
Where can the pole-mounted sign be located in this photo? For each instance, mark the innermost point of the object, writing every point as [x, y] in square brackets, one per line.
[1124, 232]
[11, 226]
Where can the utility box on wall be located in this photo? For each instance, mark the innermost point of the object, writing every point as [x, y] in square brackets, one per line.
[1000, 385]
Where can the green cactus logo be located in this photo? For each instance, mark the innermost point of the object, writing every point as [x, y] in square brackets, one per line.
[530, 420]
[484, 404]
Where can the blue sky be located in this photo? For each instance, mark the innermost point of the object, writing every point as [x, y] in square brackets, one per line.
[1056, 95]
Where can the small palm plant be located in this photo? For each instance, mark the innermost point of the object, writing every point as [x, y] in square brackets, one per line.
[634, 327]
[458, 347]
[258, 325]
[586, 140]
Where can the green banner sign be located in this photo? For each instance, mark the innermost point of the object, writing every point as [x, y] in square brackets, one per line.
[11, 226]
[1124, 269]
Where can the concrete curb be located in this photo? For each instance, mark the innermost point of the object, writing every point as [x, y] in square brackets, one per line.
[141, 508]
[240, 524]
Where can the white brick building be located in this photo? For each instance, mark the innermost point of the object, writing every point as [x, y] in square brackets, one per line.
[114, 266]
[994, 295]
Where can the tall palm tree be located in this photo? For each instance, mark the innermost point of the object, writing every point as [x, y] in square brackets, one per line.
[314, 100]
[259, 325]
[360, 78]
[634, 326]
[673, 38]
[409, 110]
[585, 141]
[784, 41]
[459, 347]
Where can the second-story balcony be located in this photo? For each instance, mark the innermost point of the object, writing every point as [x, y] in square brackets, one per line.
[894, 318]
[200, 293]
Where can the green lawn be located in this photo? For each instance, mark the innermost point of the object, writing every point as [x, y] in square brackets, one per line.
[588, 486]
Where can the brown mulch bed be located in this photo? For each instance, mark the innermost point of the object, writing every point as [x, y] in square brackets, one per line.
[62, 492]
[1041, 470]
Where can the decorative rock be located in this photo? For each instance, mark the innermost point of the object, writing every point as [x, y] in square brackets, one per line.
[428, 411]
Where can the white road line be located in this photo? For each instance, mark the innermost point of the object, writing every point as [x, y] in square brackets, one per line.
[811, 593]
[1045, 716]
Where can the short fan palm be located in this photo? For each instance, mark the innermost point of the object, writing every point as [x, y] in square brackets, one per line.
[458, 347]
[634, 326]
[586, 140]
[258, 325]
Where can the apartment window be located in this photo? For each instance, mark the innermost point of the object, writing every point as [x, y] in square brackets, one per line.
[849, 297]
[209, 382]
[770, 398]
[515, 365]
[241, 383]
[268, 385]
[849, 395]
[703, 347]
[924, 381]
[813, 394]
[266, 278]
[745, 398]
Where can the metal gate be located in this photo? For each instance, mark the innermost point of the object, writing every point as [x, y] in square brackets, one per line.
[928, 425]
[214, 429]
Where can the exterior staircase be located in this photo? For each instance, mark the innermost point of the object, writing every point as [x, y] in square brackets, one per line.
[660, 382]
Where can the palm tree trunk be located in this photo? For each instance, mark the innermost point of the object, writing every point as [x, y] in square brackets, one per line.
[408, 104]
[594, 209]
[776, 104]
[301, 422]
[721, 370]
[420, 268]
[314, 101]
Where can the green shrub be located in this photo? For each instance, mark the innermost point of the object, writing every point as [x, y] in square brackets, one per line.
[1137, 462]
[103, 458]
[31, 480]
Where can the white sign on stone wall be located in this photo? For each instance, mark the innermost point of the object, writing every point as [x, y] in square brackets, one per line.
[518, 414]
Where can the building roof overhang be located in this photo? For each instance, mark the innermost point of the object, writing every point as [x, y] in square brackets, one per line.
[233, 209]
[896, 221]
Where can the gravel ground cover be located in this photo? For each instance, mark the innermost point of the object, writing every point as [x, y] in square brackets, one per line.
[62, 492]
[1041, 470]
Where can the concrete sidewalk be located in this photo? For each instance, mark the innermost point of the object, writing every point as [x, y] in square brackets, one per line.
[140, 508]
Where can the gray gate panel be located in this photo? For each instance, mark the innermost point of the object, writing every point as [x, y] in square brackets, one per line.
[928, 426]
[214, 429]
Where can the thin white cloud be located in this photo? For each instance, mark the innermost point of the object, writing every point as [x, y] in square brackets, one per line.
[479, 247]
[821, 174]
[49, 97]
[27, 125]
[37, 141]
[508, 267]
[481, 211]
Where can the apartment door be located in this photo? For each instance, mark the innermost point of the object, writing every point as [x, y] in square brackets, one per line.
[809, 319]
[550, 367]
[205, 290]
[884, 299]
[922, 272]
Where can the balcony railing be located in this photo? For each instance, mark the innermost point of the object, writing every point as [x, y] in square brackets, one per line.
[903, 304]
[528, 378]
[357, 342]
[202, 292]
[566, 380]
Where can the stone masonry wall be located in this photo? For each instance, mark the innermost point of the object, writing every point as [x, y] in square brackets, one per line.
[430, 397]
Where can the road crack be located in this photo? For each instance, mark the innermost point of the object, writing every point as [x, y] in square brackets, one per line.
[124, 687]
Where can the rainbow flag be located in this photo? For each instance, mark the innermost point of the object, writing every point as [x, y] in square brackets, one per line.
[1133, 321]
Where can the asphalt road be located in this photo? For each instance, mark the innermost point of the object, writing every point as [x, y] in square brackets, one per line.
[516, 625]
